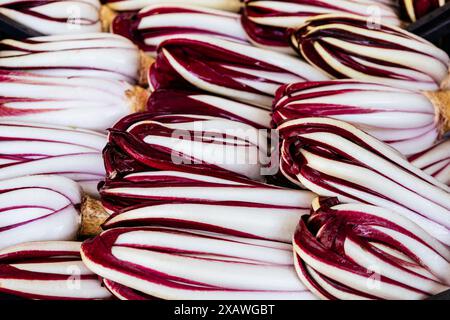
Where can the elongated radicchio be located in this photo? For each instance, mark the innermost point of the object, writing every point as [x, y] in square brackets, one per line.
[230, 205]
[407, 120]
[416, 9]
[435, 161]
[346, 46]
[192, 143]
[269, 23]
[134, 5]
[358, 251]
[38, 208]
[75, 101]
[335, 159]
[28, 149]
[50, 270]
[51, 17]
[96, 55]
[154, 24]
[165, 186]
[226, 68]
[178, 264]
[182, 102]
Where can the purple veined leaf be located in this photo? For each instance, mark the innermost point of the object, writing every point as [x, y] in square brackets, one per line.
[38, 208]
[79, 102]
[134, 5]
[358, 251]
[178, 264]
[179, 102]
[175, 186]
[346, 46]
[269, 23]
[31, 149]
[185, 142]
[54, 17]
[233, 206]
[50, 270]
[402, 118]
[335, 159]
[96, 55]
[154, 24]
[226, 68]
[435, 161]
[416, 9]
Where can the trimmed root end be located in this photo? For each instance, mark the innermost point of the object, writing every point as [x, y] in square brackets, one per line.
[138, 99]
[107, 15]
[93, 215]
[145, 63]
[445, 85]
[441, 101]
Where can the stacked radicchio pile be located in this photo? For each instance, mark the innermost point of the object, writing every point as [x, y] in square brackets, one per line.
[192, 202]
[395, 248]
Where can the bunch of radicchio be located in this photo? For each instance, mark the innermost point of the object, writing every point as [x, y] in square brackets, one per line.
[345, 46]
[49, 271]
[407, 120]
[269, 23]
[335, 159]
[176, 264]
[154, 24]
[358, 251]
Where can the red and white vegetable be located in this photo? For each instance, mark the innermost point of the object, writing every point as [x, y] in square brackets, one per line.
[344, 46]
[165, 186]
[179, 102]
[269, 23]
[38, 208]
[435, 161]
[29, 149]
[193, 143]
[79, 102]
[177, 264]
[231, 69]
[134, 5]
[154, 24]
[406, 120]
[232, 205]
[96, 55]
[357, 251]
[335, 159]
[48, 271]
[52, 17]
